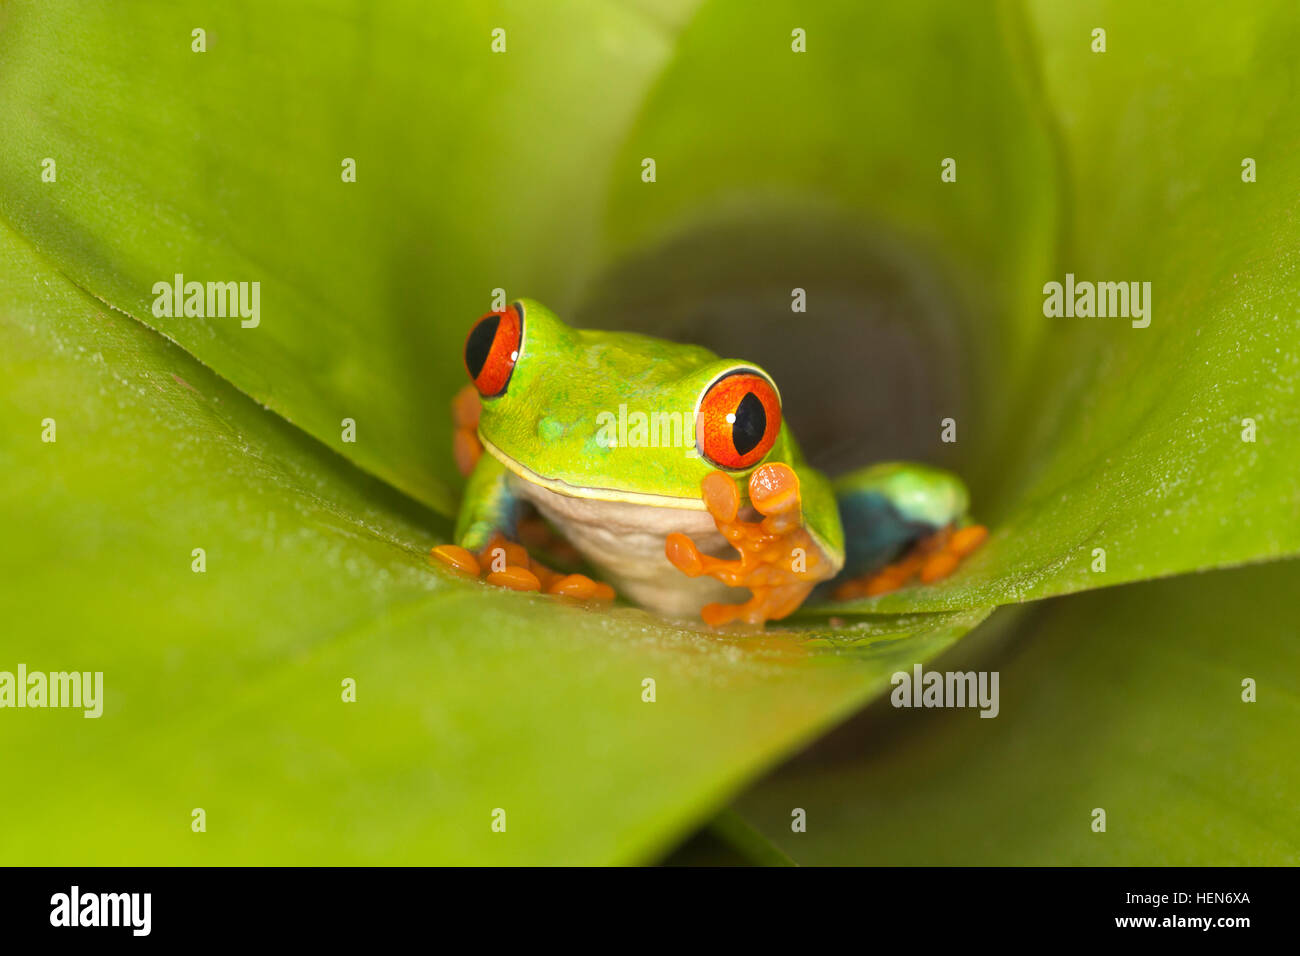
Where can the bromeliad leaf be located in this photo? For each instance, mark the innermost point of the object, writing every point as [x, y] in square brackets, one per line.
[1170, 706]
[1141, 452]
[229, 575]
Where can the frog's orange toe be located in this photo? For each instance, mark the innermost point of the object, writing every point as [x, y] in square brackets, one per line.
[465, 446]
[953, 549]
[716, 615]
[517, 555]
[581, 587]
[883, 582]
[720, 497]
[967, 539]
[850, 590]
[774, 489]
[456, 557]
[573, 585]
[938, 566]
[465, 449]
[545, 575]
[500, 553]
[466, 407]
[515, 578]
[684, 555]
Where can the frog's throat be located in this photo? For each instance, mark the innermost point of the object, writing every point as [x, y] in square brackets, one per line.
[597, 494]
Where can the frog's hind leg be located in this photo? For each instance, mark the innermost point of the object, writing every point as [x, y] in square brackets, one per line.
[901, 521]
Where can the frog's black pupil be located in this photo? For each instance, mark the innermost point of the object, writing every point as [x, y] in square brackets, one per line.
[750, 424]
[479, 344]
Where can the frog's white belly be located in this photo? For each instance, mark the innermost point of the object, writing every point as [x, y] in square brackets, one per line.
[625, 541]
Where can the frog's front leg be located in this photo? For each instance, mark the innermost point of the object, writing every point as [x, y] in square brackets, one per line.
[779, 561]
[901, 521]
[486, 529]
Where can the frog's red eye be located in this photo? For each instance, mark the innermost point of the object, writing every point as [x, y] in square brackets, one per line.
[492, 348]
[738, 420]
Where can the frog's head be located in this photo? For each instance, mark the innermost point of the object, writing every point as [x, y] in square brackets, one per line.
[617, 415]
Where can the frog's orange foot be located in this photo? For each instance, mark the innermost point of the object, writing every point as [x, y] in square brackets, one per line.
[465, 446]
[930, 559]
[779, 561]
[507, 564]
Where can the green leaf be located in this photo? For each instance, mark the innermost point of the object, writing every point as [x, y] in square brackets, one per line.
[474, 171]
[1128, 700]
[744, 840]
[223, 689]
[1133, 438]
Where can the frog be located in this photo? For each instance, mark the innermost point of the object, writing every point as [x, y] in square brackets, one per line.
[672, 474]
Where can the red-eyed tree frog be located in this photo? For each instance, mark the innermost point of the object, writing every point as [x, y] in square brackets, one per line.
[672, 473]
